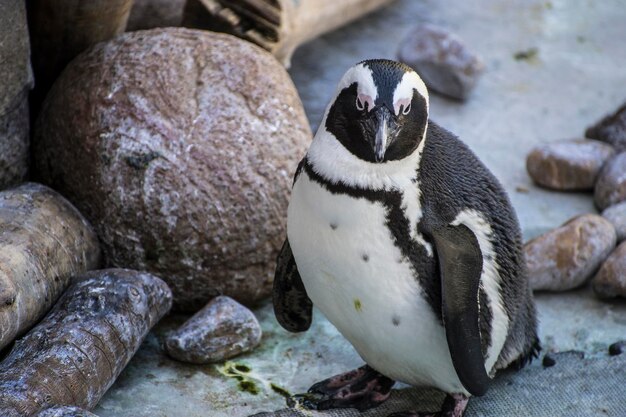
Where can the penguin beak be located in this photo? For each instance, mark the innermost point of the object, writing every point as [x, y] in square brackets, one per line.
[382, 134]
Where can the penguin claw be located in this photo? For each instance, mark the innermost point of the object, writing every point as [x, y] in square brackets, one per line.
[363, 388]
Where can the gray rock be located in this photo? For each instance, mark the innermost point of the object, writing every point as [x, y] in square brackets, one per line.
[568, 165]
[611, 129]
[566, 257]
[445, 64]
[16, 80]
[611, 184]
[610, 281]
[617, 216]
[221, 330]
[65, 411]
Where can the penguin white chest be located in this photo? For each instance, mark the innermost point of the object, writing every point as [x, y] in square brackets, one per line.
[356, 275]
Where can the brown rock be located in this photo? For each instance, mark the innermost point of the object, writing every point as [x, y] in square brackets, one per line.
[610, 281]
[148, 14]
[221, 330]
[611, 129]
[566, 257]
[16, 80]
[183, 163]
[65, 411]
[611, 184]
[617, 216]
[442, 60]
[568, 165]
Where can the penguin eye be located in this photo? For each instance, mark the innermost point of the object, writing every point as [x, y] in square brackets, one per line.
[359, 104]
[406, 109]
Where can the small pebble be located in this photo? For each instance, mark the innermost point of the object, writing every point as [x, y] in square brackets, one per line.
[611, 184]
[611, 129]
[568, 165]
[64, 411]
[222, 329]
[617, 216]
[617, 348]
[441, 59]
[566, 257]
[548, 361]
[610, 281]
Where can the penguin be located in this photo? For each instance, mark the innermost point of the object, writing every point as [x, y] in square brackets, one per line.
[408, 245]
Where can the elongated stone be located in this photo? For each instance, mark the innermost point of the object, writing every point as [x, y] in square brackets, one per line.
[568, 165]
[610, 281]
[566, 257]
[611, 185]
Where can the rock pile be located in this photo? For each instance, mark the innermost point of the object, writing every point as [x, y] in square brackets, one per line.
[570, 255]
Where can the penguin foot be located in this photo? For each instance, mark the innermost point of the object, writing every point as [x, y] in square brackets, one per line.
[453, 406]
[362, 388]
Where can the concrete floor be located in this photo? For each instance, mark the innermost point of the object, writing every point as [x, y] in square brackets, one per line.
[578, 75]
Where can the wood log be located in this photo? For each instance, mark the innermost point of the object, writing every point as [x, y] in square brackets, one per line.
[75, 354]
[279, 26]
[44, 240]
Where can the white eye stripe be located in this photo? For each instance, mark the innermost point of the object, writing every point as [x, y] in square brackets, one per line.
[363, 100]
[359, 104]
[406, 109]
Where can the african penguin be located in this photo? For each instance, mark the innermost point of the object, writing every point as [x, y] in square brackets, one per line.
[407, 243]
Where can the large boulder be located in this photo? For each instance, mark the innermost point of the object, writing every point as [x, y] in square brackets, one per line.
[180, 146]
[16, 79]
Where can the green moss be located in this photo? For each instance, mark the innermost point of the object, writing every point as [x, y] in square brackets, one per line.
[249, 386]
[238, 372]
[242, 368]
[357, 305]
[527, 55]
[280, 390]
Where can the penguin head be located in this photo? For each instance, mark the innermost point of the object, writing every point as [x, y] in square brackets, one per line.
[380, 111]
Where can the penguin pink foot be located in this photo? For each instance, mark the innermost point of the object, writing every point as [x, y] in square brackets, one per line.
[362, 388]
[453, 406]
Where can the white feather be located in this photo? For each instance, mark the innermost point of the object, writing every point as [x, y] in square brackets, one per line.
[358, 278]
[489, 281]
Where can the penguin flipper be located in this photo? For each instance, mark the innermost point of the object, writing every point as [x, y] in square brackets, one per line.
[460, 264]
[292, 306]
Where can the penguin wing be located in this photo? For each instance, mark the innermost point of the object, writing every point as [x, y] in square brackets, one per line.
[460, 265]
[292, 306]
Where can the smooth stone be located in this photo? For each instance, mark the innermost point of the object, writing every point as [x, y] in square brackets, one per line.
[617, 216]
[568, 165]
[566, 257]
[611, 184]
[443, 61]
[610, 281]
[611, 129]
[221, 330]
